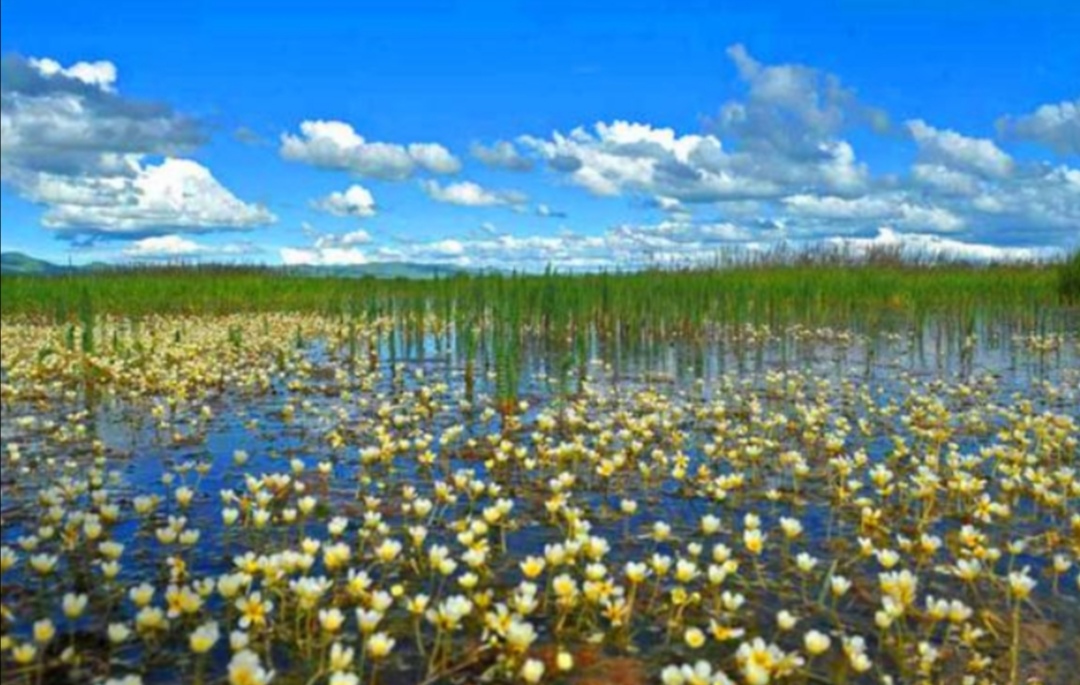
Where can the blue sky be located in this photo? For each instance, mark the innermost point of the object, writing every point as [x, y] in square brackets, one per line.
[582, 134]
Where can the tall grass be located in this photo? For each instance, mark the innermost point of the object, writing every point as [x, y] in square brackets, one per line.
[758, 293]
[497, 321]
[1069, 274]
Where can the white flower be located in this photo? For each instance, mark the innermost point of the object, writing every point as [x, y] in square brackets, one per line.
[246, 669]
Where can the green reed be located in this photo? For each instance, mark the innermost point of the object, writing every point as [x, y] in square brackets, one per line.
[1069, 274]
[641, 307]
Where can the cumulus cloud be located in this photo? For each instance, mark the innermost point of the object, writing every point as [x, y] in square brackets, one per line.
[624, 246]
[785, 135]
[941, 179]
[502, 155]
[435, 158]
[70, 120]
[99, 74]
[790, 109]
[329, 256]
[671, 243]
[958, 152]
[916, 245]
[469, 194]
[625, 157]
[336, 145]
[893, 208]
[179, 248]
[1056, 126]
[70, 142]
[778, 156]
[356, 201]
[1037, 206]
[329, 249]
[353, 238]
[177, 194]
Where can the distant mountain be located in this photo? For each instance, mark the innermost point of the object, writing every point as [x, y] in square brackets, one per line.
[19, 264]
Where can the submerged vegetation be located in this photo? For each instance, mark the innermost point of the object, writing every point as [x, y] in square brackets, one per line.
[776, 473]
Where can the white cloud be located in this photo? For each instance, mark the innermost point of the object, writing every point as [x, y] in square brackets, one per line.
[876, 209]
[175, 247]
[355, 238]
[435, 158]
[356, 201]
[922, 245]
[1038, 206]
[624, 246]
[164, 247]
[940, 178]
[100, 74]
[675, 243]
[329, 249]
[1057, 126]
[70, 120]
[177, 194]
[783, 138]
[469, 194]
[790, 109]
[336, 145]
[959, 152]
[502, 155]
[70, 142]
[637, 158]
[330, 256]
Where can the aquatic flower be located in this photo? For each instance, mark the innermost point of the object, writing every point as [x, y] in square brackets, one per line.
[694, 638]
[254, 611]
[43, 564]
[341, 658]
[8, 559]
[368, 620]
[246, 669]
[44, 632]
[533, 567]
[520, 636]
[564, 661]
[379, 646]
[533, 671]
[816, 643]
[331, 620]
[151, 620]
[839, 585]
[74, 606]
[786, 621]
[118, 633]
[700, 673]
[205, 638]
[1021, 584]
[24, 654]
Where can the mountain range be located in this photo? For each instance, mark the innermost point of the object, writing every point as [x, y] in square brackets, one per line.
[20, 264]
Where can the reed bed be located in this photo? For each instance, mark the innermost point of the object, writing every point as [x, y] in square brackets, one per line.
[743, 292]
[1070, 279]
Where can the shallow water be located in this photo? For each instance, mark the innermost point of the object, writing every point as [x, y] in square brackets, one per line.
[736, 391]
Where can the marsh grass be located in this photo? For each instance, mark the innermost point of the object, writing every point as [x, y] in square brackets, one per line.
[1070, 279]
[495, 319]
[806, 288]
